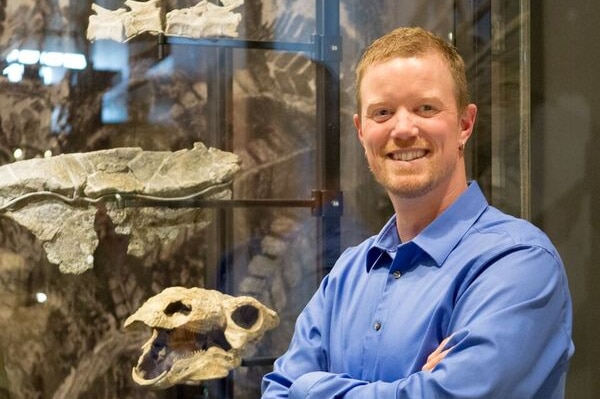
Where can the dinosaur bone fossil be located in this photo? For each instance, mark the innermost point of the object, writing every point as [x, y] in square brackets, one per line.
[197, 335]
[205, 19]
[57, 198]
[121, 25]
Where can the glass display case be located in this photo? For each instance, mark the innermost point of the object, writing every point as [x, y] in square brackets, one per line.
[278, 92]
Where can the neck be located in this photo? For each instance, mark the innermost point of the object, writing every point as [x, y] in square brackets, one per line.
[413, 215]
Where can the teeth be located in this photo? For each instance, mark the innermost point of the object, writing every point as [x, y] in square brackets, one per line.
[408, 155]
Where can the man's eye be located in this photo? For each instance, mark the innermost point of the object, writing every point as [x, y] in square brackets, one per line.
[427, 110]
[381, 114]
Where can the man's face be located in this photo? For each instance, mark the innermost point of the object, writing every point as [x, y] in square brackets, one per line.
[410, 126]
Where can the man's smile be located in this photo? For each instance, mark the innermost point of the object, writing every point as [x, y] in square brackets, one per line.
[407, 155]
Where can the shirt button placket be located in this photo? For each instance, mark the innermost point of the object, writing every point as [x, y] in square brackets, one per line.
[377, 326]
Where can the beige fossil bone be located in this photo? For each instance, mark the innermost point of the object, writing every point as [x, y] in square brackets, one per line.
[122, 24]
[204, 20]
[106, 24]
[145, 16]
[57, 198]
[197, 334]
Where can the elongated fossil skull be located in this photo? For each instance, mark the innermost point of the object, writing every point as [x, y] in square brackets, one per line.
[197, 334]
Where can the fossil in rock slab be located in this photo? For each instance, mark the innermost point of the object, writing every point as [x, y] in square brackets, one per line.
[57, 198]
[197, 335]
[205, 19]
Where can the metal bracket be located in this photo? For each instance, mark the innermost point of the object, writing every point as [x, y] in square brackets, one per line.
[328, 203]
[327, 48]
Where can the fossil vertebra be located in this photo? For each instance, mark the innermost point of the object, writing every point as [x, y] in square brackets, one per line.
[197, 335]
[205, 19]
[122, 24]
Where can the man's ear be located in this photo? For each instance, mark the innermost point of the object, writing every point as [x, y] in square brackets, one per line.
[358, 126]
[467, 122]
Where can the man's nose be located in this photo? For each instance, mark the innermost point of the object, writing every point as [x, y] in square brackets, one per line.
[404, 126]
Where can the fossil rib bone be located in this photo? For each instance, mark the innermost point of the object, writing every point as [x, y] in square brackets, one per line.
[197, 335]
[57, 198]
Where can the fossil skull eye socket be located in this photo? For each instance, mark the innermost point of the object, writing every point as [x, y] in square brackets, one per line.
[177, 307]
[245, 316]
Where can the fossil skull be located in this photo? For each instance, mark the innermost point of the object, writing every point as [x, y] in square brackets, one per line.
[197, 334]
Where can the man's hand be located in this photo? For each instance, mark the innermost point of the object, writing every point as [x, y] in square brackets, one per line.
[437, 355]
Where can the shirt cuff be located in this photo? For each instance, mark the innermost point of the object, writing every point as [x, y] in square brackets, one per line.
[300, 389]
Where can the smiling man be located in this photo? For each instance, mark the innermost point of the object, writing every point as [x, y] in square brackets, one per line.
[453, 298]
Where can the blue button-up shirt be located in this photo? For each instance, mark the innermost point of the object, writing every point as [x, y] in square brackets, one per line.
[493, 282]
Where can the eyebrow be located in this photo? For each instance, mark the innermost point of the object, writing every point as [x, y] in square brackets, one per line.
[429, 99]
[369, 107]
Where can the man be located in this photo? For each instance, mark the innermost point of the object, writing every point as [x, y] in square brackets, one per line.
[452, 299]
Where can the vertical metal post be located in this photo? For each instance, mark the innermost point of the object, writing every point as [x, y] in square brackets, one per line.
[525, 108]
[328, 47]
[472, 38]
[219, 91]
[220, 125]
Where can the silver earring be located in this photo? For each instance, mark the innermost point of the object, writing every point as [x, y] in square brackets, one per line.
[461, 146]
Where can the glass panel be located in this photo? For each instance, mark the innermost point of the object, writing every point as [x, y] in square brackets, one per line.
[510, 107]
[494, 38]
[61, 93]
[564, 163]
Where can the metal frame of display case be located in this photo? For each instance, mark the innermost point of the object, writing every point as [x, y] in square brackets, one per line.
[325, 50]
[326, 202]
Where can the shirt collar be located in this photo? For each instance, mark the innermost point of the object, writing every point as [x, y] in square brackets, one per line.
[386, 242]
[440, 237]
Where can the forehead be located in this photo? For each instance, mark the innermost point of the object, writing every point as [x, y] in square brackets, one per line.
[431, 64]
[428, 72]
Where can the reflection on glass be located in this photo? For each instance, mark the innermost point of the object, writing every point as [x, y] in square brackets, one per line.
[69, 96]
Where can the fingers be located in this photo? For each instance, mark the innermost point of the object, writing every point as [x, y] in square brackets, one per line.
[437, 355]
[433, 360]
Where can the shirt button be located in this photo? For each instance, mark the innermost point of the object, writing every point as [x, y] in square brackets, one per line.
[397, 274]
[377, 326]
